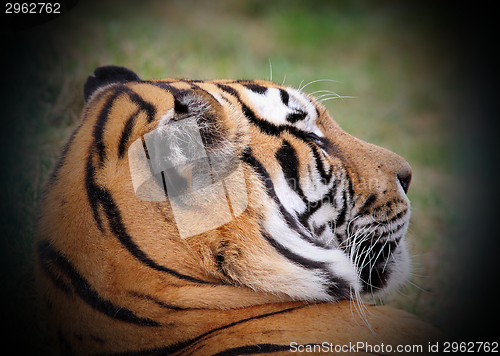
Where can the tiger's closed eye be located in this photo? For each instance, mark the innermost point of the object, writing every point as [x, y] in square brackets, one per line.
[322, 142]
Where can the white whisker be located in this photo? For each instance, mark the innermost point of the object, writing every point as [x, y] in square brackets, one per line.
[382, 250]
[423, 290]
[270, 70]
[326, 92]
[403, 294]
[329, 93]
[301, 88]
[338, 97]
[413, 274]
[387, 260]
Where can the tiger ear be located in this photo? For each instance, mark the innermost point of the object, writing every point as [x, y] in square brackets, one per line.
[107, 75]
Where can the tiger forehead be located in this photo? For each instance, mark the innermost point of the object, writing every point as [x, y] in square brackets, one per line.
[238, 87]
[275, 103]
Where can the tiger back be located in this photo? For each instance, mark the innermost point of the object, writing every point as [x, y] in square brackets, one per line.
[219, 217]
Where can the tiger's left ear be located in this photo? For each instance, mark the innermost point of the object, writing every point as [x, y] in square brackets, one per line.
[107, 75]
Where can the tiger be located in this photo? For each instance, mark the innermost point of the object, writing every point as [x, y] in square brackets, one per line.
[220, 217]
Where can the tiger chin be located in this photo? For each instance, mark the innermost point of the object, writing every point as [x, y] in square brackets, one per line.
[218, 217]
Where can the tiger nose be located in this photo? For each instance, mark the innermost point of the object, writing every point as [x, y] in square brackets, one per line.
[404, 177]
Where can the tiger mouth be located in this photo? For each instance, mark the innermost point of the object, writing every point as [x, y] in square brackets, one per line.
[376, 263]
[373, 249]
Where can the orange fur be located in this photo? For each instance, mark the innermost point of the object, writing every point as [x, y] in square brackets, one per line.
[116, 277]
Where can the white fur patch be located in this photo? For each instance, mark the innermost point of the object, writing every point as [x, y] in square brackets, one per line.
[270, 107]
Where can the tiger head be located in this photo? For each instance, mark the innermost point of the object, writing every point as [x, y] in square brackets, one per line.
[246, 185]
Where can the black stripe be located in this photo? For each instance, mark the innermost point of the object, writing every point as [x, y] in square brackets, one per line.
[341, 216]
[51, 263]
[319, 230]
[331, 195]
[144, 106]
[253, 349]
[397, 216]
[297, 259]
[312, 207]
[264, 176]
[127, 131]
[229, 90]
[322, 142]
[166, 86]
[336, 287]
[289, 162]
[177, 184]
[211, 333]
[367, 204]
[275, 130]
[259, 89]
[295, 116]
[272, 129]
[285, 97]
[103, 116]
[156, 301]
[93, 191]
[296, 224]
[102, 119]
[350, 185]
[48, 255]
[99, 196]
[287, 157]
[179, 107]
[265, 126]
[145, 147]
[166, 350]
[325, 176]
[291, 221]
[118, 228]
[340, 239]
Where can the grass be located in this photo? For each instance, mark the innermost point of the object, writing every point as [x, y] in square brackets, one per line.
[398, 70]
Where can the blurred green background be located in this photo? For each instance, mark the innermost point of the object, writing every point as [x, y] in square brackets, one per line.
[400, 60]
